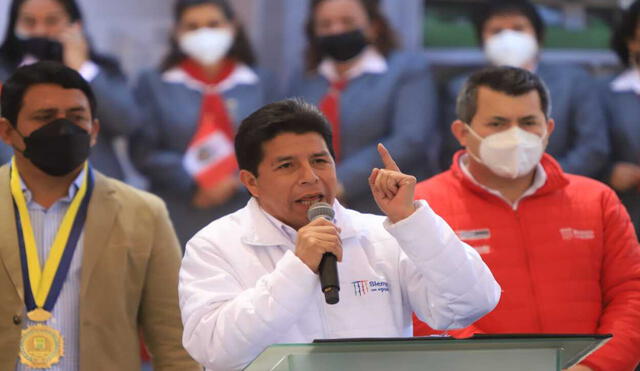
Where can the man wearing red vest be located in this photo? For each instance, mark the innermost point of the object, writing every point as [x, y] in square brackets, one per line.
[561, 246]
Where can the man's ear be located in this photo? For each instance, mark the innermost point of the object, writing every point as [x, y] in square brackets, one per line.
[250, 181]
[5, 130]
[551, 125]
[460, 131]
[95, 129]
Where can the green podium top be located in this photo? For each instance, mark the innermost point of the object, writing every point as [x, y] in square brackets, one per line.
[524, 352]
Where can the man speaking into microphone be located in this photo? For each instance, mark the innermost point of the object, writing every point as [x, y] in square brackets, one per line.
[250, 279]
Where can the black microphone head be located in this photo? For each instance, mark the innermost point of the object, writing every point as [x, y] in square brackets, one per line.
[320, 210]
[332, 295]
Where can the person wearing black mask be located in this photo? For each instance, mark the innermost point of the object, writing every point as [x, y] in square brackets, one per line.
[53, 30]
[57, 147]
[86, 256]
[371, 92]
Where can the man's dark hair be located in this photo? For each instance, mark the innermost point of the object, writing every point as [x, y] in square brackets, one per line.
[508, 80]
[509, 7]
[625, 32]
[47, 72]
[286, 116]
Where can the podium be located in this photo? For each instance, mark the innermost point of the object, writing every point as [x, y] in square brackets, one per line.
[523, 352]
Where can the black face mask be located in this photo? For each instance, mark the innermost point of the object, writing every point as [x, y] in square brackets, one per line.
[344, 46]
[58, 147]
[42, 48]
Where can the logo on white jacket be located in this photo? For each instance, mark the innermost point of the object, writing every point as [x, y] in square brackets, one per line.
[365, 287]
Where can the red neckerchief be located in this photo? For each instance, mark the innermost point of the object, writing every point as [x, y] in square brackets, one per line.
[213, 117]
[330, 106]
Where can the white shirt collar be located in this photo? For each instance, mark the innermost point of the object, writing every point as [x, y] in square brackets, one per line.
[73, 189]
[290, 233]
[370, 61]
[341, 219]
[241, 75]
[627, 81]
[539, 179]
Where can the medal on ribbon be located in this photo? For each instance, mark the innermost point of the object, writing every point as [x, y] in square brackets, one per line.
[42, 346]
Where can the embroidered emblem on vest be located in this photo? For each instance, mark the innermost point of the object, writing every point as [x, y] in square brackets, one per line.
[571, 233]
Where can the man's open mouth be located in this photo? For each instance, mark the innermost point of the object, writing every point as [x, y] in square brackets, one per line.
[311, 199]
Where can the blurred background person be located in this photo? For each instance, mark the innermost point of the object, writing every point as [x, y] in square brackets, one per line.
[371, 92]
[511, 33]
[621, 95]
[192, 104]
[53, 30]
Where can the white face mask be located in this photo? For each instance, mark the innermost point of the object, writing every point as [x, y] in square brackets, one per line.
[207, 45]
[511, 48]
[511, 153]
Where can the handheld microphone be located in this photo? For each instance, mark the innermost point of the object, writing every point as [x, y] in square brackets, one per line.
[328, 268]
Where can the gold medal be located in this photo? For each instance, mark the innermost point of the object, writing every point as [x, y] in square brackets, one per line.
[39, 315]
[41, 346]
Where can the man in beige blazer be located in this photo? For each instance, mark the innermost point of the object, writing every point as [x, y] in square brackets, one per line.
[123, 270]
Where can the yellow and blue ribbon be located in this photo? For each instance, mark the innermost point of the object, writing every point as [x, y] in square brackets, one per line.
[42, 286]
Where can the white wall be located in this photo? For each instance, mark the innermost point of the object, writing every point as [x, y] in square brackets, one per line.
[134, 31]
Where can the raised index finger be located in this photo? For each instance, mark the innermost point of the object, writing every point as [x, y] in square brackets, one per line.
[387, 160]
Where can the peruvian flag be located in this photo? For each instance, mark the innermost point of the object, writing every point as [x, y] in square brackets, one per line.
[210, 156]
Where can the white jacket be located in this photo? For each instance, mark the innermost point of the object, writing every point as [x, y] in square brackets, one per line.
[243, 289]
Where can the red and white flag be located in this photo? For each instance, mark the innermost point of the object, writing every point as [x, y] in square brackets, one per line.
[210, 156]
